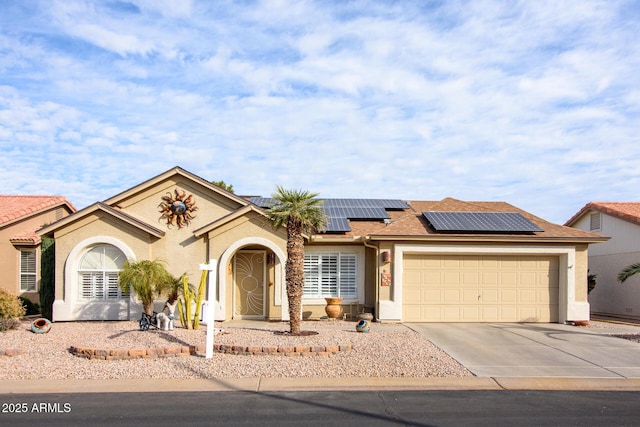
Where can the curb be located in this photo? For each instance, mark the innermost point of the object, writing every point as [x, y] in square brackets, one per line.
[147, 385]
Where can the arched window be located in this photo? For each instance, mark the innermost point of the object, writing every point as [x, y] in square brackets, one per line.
[98, 273]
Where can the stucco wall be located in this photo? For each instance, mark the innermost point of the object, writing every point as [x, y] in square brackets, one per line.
[10, 254]
[606, 260]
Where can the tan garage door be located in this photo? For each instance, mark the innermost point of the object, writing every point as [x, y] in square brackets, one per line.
[483, 288]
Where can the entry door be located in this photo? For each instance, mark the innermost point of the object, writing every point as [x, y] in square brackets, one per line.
[250, 273]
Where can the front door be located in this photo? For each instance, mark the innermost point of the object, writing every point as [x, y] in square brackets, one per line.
[249, 284]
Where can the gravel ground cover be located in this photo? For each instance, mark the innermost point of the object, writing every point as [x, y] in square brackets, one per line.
[386, 351]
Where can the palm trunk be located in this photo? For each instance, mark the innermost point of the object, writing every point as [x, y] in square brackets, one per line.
[295, 274]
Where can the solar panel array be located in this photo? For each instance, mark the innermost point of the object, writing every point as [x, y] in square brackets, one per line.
[484, 222]
[340, 211]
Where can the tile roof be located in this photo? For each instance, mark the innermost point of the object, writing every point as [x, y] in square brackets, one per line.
[629, 211]
[15, 207]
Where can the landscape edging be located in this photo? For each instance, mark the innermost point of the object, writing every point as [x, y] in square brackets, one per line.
[199, 350]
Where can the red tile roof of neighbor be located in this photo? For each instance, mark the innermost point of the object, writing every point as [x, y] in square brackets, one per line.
[16, 207]
[629, 211]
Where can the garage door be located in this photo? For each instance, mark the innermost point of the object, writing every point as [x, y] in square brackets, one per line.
[483, 288]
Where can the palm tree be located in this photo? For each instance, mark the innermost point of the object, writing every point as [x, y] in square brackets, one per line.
[628, 271]
[147, 279]
[300, 211]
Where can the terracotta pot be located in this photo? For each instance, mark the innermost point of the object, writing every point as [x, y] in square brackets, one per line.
[333, 308]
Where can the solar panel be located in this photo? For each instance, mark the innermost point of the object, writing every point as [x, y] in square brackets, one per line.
[366, 203]
[356, 213]
[263, 202]
[337, 225]
[487, 222]
[340, 211]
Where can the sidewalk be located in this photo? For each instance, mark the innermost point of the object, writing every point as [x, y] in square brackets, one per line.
[317, 384]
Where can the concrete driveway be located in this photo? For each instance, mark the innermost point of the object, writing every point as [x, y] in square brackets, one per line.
[537, 349]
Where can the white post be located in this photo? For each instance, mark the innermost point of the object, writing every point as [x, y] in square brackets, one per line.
[211, 305]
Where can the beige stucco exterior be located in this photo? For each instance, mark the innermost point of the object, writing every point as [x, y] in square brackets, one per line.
[19, 234]
[226, 228]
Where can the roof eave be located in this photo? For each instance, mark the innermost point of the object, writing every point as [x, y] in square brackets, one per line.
[485, 238]
[51, 228]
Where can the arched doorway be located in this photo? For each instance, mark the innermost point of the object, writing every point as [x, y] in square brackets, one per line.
[274, 302]
[250, 284]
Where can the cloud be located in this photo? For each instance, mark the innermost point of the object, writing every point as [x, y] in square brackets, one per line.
[533, 103]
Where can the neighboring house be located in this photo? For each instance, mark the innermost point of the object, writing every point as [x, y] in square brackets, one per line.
[20, 217]
[445, 260]
[621, 222]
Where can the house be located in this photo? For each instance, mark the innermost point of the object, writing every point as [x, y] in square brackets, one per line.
[434, 261]
[20, 217]
[621, 222]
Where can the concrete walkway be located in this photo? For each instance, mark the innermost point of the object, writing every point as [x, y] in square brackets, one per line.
[541, 350]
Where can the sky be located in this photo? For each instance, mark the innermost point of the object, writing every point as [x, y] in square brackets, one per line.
[535, 103]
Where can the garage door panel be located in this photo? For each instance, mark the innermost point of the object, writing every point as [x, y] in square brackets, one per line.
[451, 278]
[484, 288]
[508, 296]
[452, 296]
[508, 278]
[470, 296]
[414, 296]
[470, 314]
[489, 296]
[451, 313]
[470, 278]
[414, 277]
[489, 278]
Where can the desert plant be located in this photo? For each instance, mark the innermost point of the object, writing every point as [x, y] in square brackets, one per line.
[300, 211]
[148, 279]
[189, 319]
[11, 310]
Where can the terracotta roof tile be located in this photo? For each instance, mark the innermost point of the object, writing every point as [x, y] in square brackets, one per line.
[25, 238]
[16, 207]
[629, 211]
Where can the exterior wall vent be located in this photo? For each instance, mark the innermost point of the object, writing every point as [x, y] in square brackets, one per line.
[595, 221]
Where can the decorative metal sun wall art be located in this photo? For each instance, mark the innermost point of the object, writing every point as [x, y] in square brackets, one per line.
[178, 208]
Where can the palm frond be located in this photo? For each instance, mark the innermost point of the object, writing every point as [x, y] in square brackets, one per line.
[628, 271]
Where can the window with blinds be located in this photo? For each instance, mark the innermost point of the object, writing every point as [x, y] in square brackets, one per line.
[331, 274]
[98, 274]
[28, 271]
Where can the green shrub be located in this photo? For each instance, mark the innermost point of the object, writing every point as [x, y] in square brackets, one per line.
[30, 306]
[11, 309]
